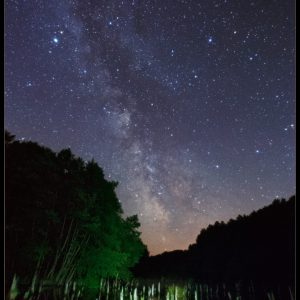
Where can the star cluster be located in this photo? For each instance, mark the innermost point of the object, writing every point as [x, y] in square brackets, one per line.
[190, 105]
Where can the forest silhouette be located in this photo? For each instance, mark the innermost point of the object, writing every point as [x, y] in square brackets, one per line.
[64, 223]
[63, 220]
[259, 248]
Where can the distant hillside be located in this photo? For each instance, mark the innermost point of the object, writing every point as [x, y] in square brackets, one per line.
[259, 247]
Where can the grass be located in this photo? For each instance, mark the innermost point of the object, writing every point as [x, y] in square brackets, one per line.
[154, 290]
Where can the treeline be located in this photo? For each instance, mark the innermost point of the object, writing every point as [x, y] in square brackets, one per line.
[257, 248]
[63, 220]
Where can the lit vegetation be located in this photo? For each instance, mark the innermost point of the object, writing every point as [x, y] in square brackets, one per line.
[64, 222]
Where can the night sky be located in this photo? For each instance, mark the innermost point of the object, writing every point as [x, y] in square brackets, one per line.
[189, 105]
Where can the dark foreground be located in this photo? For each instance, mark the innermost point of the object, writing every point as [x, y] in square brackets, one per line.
[150, 290]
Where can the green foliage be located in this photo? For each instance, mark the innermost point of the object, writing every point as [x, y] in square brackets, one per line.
[177, 292]
[63, 218]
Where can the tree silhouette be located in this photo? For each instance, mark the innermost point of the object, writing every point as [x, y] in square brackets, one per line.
[63, 220]
[258, 248]
[9, 138]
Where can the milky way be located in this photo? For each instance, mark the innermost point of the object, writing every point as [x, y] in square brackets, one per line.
[189, 105]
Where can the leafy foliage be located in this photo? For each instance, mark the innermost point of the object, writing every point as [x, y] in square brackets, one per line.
[63, 220]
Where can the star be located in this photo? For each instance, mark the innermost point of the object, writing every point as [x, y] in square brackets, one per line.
[197, 98]
[55, 40]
